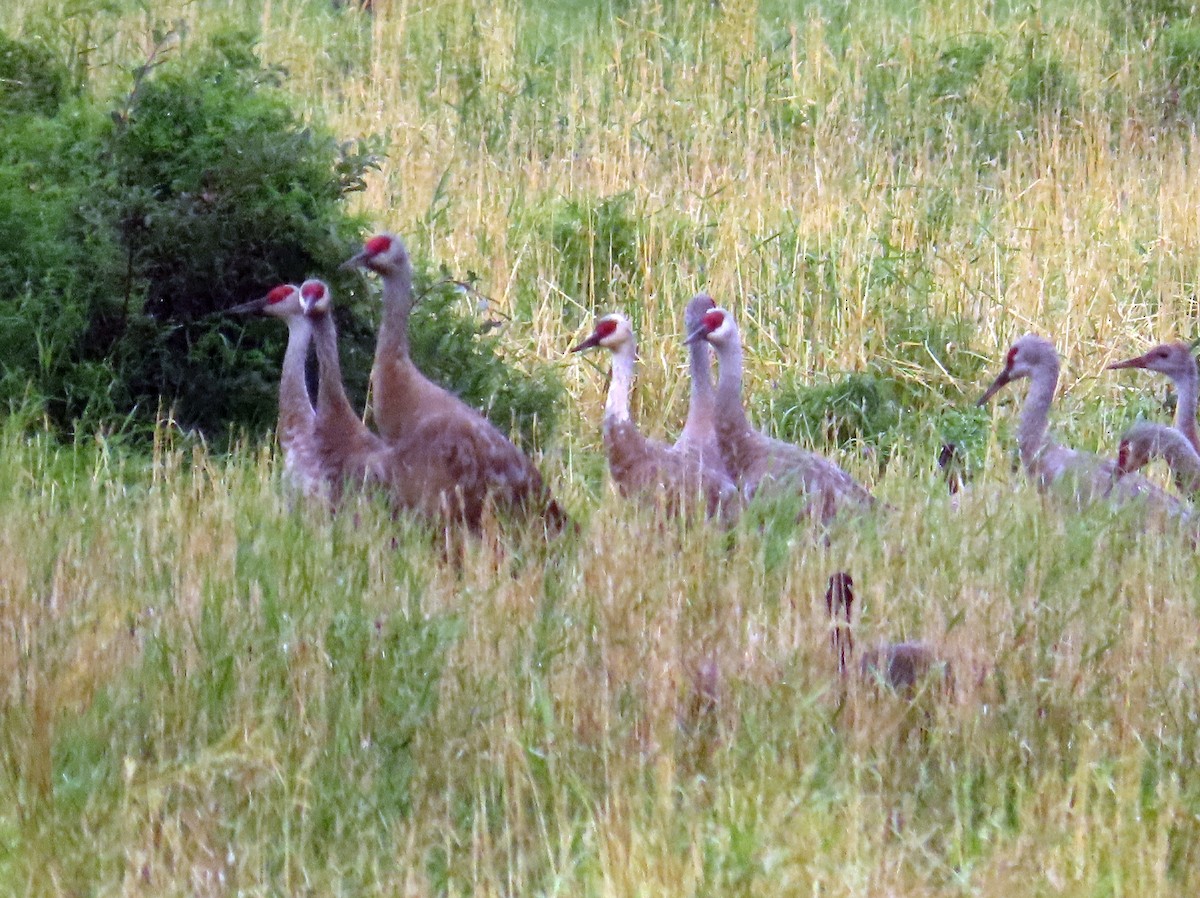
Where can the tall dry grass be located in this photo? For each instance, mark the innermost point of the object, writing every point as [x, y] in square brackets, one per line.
[213, 689]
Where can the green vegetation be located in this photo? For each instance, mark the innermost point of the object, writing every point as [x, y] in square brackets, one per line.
[213, 688]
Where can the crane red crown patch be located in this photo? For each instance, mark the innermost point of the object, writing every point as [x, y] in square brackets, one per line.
[313, 290]
[279, 294]
[379, 244]
[713, 320]
[606, 327]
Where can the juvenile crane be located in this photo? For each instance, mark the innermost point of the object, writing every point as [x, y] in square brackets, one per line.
[1146, 440]
[758, 462]
[296, 415]
[490, 469]
[1176, 361]
[899, 665]
[645, 468]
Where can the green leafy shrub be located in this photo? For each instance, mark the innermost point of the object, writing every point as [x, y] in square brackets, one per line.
[596, 240]
[1178, 49]
[123, 234]
[31, 79]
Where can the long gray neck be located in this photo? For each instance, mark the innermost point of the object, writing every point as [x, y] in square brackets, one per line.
[729, 382]
[616, 407]
[698, 428]
[397, 306]
[1185, 407]
[1035, 414]
[331, 394]
[293, 388]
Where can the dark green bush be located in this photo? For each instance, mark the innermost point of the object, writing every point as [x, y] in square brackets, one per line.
[124, 233]
[596, 240]
[31, 79]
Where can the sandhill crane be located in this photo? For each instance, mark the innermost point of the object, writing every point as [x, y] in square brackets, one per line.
[296, 414]
[490, 468]
[647, 468]
[1147, 440]
[699, 434]
[350, 454]
[757, 462]
[423, 473]
[1177, 362]
[900, 665]
[1046, 462]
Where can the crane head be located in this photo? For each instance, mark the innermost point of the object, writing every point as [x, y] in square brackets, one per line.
[281, 302]
[1029, 354]
[716, 326]
[315, 298]
[1172, 359]
[610, 332]
[383, 254]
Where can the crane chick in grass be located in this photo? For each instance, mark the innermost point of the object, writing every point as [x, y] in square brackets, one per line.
[902, 666]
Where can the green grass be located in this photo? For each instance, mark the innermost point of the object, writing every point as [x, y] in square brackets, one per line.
[211, 688]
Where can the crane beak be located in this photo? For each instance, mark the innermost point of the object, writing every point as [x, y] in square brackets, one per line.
[357, 261]
[248, 308]
[1138, 362]
[995, 388]
[698, 334]
[589, 343]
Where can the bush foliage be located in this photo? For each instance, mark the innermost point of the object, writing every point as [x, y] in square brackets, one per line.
[124, 233]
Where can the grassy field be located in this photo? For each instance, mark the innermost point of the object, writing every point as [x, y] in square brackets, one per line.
[210, 688]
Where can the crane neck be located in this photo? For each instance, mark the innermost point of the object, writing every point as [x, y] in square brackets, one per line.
[295, 405]
[1186, 388]
[331, 394]
[1035, 415]
[397, 307]
[616, 407]
[698, 428]
[728, 400]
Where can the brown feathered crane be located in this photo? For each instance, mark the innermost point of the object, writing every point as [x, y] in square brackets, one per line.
[899, 665]
[423, 472]
[760, 463]
[648, 469]
[487, 468]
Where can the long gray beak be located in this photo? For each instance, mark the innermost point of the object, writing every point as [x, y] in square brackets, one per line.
[995, 388]
[248, 308]
[1139, 362]
[697, 334]
[593, 340]
[358, 261]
